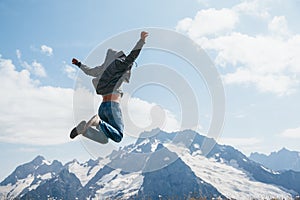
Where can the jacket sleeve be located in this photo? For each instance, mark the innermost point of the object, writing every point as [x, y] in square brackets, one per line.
[90, 71]
[134, 52]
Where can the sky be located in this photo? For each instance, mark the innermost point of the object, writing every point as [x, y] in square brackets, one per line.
[254, 45]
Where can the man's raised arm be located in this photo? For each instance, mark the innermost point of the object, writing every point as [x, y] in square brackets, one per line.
[137, 48]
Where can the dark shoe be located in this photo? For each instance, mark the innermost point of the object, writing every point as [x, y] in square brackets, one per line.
[73, 133]
[79, 129]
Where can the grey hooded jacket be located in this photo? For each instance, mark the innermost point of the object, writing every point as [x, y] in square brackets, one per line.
[114, 71]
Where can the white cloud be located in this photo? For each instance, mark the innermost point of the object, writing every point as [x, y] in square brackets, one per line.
[278, 84]
[246, 145]
[204, 2]
[70, 71]
[278, 25]
[268, 61]
[35, 67]
[210, 21]
[32, 114]
[38, 69]
[291, 133]
[47, 50]
[256, 8]
[19, 54]
[140, 115]
[240, 141]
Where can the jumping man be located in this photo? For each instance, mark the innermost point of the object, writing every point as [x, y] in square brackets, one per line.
[107, 81]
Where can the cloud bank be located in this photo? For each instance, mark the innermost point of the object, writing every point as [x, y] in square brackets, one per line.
[30, 113]
[268, 60]
[43, 115]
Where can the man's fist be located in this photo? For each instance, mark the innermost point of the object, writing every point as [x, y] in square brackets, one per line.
[75, 62]
[144, 34]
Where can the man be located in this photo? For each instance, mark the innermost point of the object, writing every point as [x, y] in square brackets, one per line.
[107, 81]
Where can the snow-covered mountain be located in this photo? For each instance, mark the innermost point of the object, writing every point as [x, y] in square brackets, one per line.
[284, 159]
[157, 166]
[28, 177]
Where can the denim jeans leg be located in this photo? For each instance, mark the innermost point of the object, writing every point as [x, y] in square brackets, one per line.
[96, 135]
[111, 120]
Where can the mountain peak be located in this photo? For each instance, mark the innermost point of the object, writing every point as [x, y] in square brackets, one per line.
[283, 159]
[38, 160]
[284, 150]
[155, 134]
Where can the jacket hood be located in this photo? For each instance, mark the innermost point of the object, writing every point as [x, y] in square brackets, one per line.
[111, 55]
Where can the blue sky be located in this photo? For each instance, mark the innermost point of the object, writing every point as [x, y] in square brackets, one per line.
[255, 46]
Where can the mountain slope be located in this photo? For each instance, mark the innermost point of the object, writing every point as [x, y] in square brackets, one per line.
[176, 180]
[86, 171]
[63, 186]
[28, 176]
[230, 156]
[228, 179]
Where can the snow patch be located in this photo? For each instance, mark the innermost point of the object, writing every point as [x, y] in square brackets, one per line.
[166, 159]
[84, 172]
[108, 177]
[198, 152]
[146, 141]
[154, 145]
[196, 146]
[228, 180]
[233, 163]
[46, 162]
[33, 187]
[114, 184]
[266, 169]
[12, 191]
[269, 170]
[45, 176]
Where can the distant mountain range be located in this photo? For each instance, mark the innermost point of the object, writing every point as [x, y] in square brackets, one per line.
[282, 160]
[159, 165]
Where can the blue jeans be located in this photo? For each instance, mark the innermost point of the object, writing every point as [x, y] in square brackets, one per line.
[111, 120]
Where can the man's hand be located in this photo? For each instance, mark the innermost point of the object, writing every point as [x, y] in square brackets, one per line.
[76, 62]
[144, 34]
